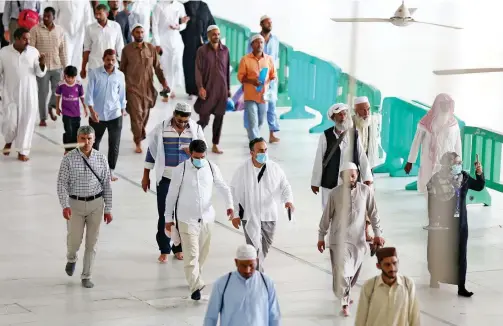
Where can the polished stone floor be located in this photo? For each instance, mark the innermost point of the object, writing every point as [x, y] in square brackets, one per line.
[132, 289]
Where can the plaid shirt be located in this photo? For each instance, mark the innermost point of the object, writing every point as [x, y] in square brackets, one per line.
[76, 179]
[52, 43]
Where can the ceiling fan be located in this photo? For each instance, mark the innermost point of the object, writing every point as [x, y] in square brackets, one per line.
[449, 72]
[401, 18]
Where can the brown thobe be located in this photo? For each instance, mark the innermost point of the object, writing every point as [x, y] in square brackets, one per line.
[138, 63]
[213, 74]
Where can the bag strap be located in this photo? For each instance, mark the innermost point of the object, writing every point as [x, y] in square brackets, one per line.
[90, 168]
[223, 292]
[334, 148]
[19, 5]
[179, 189]
[261, 173]
[265, 283]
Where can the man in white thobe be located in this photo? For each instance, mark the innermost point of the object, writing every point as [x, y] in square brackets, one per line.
[142, 11]
[368, 127]
[20, 65]
[345, 213]
[74, 16]
[189, 200]
[336, 146]
[168, 20]
[437, 133]
[255, 186]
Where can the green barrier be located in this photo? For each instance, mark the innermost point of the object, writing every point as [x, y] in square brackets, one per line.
[362, 89]
[285, 52]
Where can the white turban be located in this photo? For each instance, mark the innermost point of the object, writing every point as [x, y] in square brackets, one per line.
[264, 18]
[336, 108]
[348, 166]
[212, 27]
[257, 37]
[183, 107]
[136, 26]
[361, 100]
[246, 252]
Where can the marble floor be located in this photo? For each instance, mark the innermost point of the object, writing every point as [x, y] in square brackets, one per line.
[132, 289]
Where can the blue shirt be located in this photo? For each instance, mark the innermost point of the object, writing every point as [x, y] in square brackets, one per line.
[246, 302]
[106, 93]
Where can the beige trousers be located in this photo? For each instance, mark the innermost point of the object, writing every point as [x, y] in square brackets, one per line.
[88, 216]
[196, 246]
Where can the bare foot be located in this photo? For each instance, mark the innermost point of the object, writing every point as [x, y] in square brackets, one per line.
[345, 311]
[172, 95]
[273, 139]
[165, 99]
[23, 158]
[138, 149]
[6, 149]
[179, 255]
[114, 178]
[51, 113]
[216, 150]
[163, 258]
[42, 123]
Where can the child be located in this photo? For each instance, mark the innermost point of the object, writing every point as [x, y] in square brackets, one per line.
[68, 94]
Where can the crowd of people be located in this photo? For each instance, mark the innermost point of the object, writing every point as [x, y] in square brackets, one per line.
[43, 71]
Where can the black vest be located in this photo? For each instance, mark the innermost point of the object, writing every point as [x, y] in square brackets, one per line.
[330, 174]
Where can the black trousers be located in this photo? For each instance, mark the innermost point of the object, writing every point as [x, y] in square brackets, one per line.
[114, 128]
[71, 125]
[3, 42]
[163, 241]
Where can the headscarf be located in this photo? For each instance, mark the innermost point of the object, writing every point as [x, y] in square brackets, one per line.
[443, 185]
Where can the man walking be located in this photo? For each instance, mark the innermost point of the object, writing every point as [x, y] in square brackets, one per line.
[139, 61]
[85, 194]
[168, 146]
[243, 297]
[345, 214]
[389, 298]
[106, 100]
[213, 83]
[20, 64]
[255, 186]
[49, 38]
[367, 127]
[189, 200]
[249, 73]
[10, 16]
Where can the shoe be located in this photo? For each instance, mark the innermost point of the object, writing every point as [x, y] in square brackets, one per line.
[196, 295]
[87, 284]
[70, 268]
[464, 293]
[42, 123]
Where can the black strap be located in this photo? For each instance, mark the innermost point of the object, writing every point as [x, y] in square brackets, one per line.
[261, 173]
[90, 168]
[334, 149]
[19, 5]
[227, 283]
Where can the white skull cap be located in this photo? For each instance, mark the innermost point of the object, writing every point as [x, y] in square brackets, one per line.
[246, 252]
[183, 107]
[336, 108]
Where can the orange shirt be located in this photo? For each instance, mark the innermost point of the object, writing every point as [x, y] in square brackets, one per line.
[250, 67]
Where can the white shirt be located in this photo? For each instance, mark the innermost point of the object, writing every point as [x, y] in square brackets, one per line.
[98, 39]
[346, 155]
[167, 14]
[74, 16]
[381, 304]
[191, 190]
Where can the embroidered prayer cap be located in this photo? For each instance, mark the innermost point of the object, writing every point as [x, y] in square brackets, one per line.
[135, 26]
[385, 253]
[348, 166]
[211, 28]
[257, 37]
[183, 107]
[361, 100]
[336, 108]
[264, 18]
[246, 252]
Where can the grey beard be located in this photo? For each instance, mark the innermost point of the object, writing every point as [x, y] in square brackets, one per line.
[362, 123]
[345, 125]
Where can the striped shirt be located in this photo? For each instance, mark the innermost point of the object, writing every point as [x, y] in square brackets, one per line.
[76, 179]
[173, 154]
[52, 43]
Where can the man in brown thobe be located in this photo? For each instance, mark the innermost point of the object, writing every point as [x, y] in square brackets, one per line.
[139, 60]
[213, 83]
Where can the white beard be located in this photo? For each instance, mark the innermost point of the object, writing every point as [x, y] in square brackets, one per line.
[345, 125]
[362, 123]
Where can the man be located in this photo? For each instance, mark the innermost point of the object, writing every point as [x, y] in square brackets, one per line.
[336, 146]
[106, 100]
[20, 64]
[85, 194]
[49, 38]
[255, 185]
[345, 213]
[168, 146]
[213, 82]
[193, 37]
[189, 200]
[139, 61]
[73, 16]
[271, 48]
[3, 41]
[366, 127]
[168, 20]
[102, 35]
[11, 13]
[389, 298]
[437, 133]
[243, 297]
[126, 20]
[255, 97]
[114, 9]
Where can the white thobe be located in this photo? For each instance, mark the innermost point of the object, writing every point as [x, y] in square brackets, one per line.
[345, 215]
[168, 14]
[142, 10]
[370, 137]
[19, 95]
[74, 16]
[98, 39]
[346, 155]
[448, 140]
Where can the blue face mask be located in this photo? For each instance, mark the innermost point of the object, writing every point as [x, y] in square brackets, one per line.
[199, 162]
[456, 169]
[130, 7]
[261, 158]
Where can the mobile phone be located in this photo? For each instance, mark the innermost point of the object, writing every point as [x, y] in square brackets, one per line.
[476, 158]
[164, 93]
[289, 213]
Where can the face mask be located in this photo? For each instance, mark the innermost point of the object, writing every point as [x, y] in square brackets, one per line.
[456, 169]
[199, 162]
[130, 7]
[261, 158]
